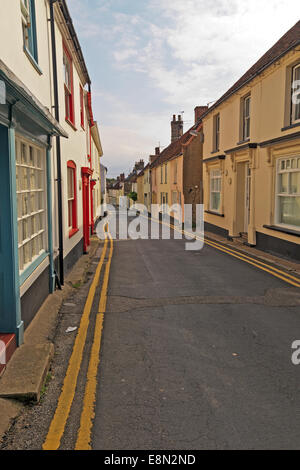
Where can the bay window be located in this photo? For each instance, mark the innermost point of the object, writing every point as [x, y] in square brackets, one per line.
[215, 190]
[288, 192]
[31, 199]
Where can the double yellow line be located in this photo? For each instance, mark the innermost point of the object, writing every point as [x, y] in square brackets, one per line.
[58, 424]
[284, 276]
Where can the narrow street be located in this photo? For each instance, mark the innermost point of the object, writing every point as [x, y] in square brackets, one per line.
[195, 354]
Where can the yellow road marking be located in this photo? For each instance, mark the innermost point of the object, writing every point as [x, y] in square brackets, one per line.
[288, 278]
[65, 401]
[88, 411]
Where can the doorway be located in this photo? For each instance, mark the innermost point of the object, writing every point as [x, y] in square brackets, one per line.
[247, 196]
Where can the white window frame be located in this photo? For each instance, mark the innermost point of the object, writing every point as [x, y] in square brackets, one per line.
[216, 124]
[295, 106]
[215, 175]
[288, 170]
[246, 117]
[32, 201]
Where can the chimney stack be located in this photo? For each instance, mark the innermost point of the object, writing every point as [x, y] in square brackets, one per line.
[199, 111]
[139, 166]
[122, 177]
[176, 128]
[152, 158]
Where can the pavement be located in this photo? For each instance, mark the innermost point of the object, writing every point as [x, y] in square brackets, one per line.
[196, 354]
[24, 379]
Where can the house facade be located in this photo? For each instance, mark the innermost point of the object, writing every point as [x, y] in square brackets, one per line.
[251, 154]
[46, 165]
[177, 171]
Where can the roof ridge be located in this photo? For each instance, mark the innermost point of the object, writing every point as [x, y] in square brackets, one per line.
[281, 47]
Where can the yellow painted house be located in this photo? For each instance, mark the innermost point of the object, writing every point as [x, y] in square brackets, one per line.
[251, 154]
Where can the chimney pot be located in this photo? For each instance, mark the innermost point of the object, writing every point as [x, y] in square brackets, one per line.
[176, 128]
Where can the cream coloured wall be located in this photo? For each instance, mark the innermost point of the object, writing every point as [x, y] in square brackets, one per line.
[270, 99]
[13, 55]
[76, 147]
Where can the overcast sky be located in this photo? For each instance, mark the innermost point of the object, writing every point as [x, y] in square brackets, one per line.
[150, 59]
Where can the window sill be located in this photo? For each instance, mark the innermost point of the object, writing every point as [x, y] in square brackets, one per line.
[277, 228]
[291, 126]
[73, 232]
[243, 141]
[32, 61]
[71, 124]
[215, 151]
[215, 213]
[32, 267]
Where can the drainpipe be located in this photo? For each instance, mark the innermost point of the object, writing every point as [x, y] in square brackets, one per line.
[58, 147]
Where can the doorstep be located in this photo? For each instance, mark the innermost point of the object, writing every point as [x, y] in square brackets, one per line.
[8, 342]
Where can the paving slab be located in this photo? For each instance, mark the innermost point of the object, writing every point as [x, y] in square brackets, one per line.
[26, 372]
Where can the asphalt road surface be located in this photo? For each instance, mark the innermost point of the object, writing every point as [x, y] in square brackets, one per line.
[196, 353]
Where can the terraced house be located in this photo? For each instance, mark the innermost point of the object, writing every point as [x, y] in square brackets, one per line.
[49, 145]
[176, 173]
[251, 153]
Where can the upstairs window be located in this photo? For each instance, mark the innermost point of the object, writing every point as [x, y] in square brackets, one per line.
[175, 172]
[216, 141]
[81, 107]
[68, 85]
[161, 174]
[166, 174]
[246, 117]
[29, 28]
[288, 192]
[72, 199]
[296, 95]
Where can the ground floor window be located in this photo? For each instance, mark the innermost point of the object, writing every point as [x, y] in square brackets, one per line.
[31, 199]
[215, 190]
[288, 192]
[72, 200]
[174, 197]
[164, 201]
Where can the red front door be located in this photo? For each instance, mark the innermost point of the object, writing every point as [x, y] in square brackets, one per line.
[86, 174]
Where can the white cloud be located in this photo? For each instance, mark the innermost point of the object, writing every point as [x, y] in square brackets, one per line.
[192, 51]
[211, 42]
